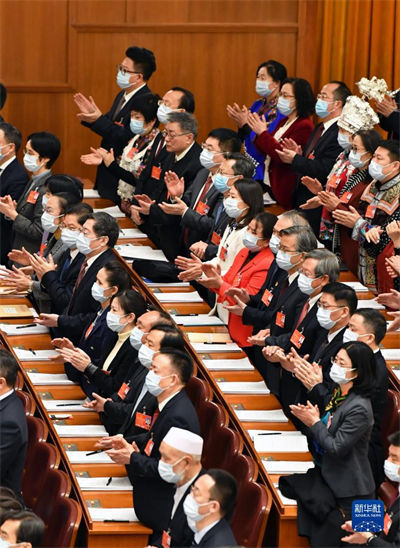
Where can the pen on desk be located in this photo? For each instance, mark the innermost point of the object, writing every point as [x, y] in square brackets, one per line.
[116, 521]
[33, 352]
[95, 453]
[185, 314]
[67, 404]
[25, 326]
[108, 482]
[269, 434]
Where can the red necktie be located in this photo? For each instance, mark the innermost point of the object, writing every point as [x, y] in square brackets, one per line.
[315, 138]
[155, 417]
[80, 275]
[303, 313]
[206, 188]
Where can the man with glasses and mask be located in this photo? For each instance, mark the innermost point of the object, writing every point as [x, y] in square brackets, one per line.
[132, 76]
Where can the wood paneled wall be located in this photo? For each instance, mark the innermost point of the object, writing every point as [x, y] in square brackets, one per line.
[52, 48]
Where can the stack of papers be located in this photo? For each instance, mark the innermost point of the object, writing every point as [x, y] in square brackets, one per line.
[370, 303]
[242, 364]
[196, 319]
[81, 457]
[114, 211]
[207, 348]
[357, 286]
[65, 405]
[20, 329]
[391, 353]
[243, 387]
[180, 297]
[280, 443]
[287, 466]
[130, 251]
[35, 355]
[100, 484]
[135, 233]
[168, 284]
[259, 415]
[90, 193]
[77, 431]
[209, 337]
[59, 379]
[112, 514]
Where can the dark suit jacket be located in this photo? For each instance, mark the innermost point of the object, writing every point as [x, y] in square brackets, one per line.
[115, 135]
[325, 153]
[153, 497]
[219, 535]
[13, 442]
[345, 464]
[81, 307]
[13, 180]
[220, 223]
[392, 539]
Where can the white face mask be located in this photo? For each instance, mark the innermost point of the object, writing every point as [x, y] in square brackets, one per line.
[136, 338]
[324, 318]
[48, 223]
[83, 244]
[392, 471]
[343, 140]
[98, 293]
[45, 199]
[304, 283]
[283, 260]
[376, 170]
[207, 158]
[69, 237]
[152, 383]
[250, 241]
[191, 509]
[355, 159]
[349, 336]
[166, 471]
[123, 79]
[114, 322]
[231, 208]
[338, 373]
[31, 163]
[162, 113]
[145, 355]
[262, 88]
[274, 244]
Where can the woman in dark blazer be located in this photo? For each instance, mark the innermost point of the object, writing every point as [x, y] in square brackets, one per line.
[340, 434]
[296, 101]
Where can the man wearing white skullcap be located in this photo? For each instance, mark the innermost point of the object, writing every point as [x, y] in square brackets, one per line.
[180, 463]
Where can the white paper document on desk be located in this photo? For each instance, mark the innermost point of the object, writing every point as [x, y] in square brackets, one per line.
[280, 443]
[391, 353]
[134, 233]
[369, 303]
[35, 355]
[112, 514]
[243, 387]
[80, 431]
[197, 319]
[90, 193]
[261, 415]
[131, 251]
[357, 286]
[207, 348]
[114, 211]
[287, 466]
[168, 284]
[65, 405]
[104, 484]
[179, 297]
[57, 379]
[82, 457]
[242, 364]
[20, 329]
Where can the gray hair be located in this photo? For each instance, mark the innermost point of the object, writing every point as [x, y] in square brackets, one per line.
[306, 239]
[328, 263]
[187, 122]
[297, 218]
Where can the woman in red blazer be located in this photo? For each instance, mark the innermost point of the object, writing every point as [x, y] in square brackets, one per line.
[296, 102]
[248, 271]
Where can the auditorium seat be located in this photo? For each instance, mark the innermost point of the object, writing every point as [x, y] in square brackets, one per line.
[211, 416]
[37, 430]
[28, 402]
[387, 492]
[42, 458]
[222, 444]
[391, 419]
[198, 391]
[19, 383]
[57, 484]
[242, 468]
[63, 524]
[250, 520]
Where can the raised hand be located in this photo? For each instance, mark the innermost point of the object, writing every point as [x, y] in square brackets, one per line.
[174, 184]
[312, 184]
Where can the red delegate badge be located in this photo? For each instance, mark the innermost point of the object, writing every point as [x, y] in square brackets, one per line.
[297, 338]
[267, 297]
[143, 421]
[149, 447]
[280, 319]
[32, 197]
[123, 390]
[202, 208]
[215, 238]
[156, 172]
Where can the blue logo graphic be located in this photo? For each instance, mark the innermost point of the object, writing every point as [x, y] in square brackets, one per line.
[367, 516]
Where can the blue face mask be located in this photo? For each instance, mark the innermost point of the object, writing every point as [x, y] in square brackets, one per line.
[376, 170]
[344, 140]
[321, 108]
[136, 126]
[284, 107]
[123, 80]
[221, 182]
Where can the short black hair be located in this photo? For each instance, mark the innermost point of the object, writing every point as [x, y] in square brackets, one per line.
[242, 166]
[105, 225]
[3, 95]
[173, 337]
[229, 140]
[8, 367]
[65, 183]
[117, 276]
[369, 138]
[223, 491]
[31, 527]
[394, 439]
[11, 134]
[130, 301]
[46, 144]
[81, 210]
[65, 200]
[276, 70]
[251, 194]
[342, 292]
[181, 362]
[304, 95]
[187, 99]
[363, 361]
[147, 105]
[393, 147]
[373, 320]
[267, 221]
[341, 92]
[144, 60]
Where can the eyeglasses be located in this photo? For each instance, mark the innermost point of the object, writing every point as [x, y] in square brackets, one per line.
[334, 359]
[172, 135]
[124, 70]
[63, 226]
[328, 306]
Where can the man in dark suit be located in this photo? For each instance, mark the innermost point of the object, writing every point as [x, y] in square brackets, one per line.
[153, 497]
[22, 528]
[99, 235]
[13, 427]
[13, 180]
[133, 74]
[390, 536]
[209, 508]
[314, 163]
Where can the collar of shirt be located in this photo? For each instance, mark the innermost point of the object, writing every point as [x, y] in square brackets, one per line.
[200, 534]
[91, 260]
[73, 253]
[329, 123]
[35, 177]
[331, 336]
[129, 95]
[4, 396]
[313, 300]
[123, 336]
[180, 491]
[6, 163]
[164, 403]
[183, 154]
[292, 277]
